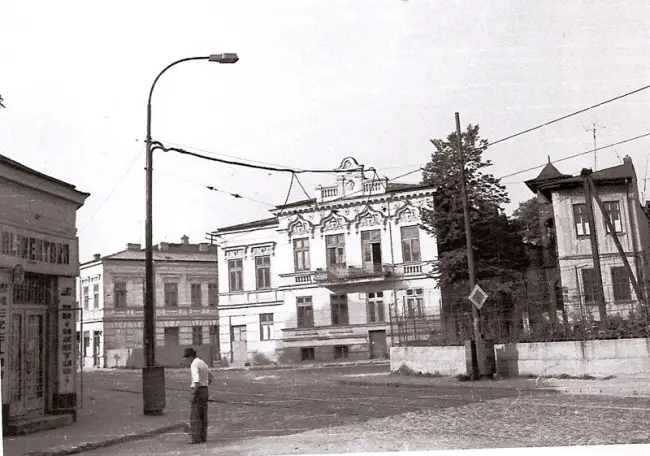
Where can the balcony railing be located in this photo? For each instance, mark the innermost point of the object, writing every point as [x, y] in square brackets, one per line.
[344, 273]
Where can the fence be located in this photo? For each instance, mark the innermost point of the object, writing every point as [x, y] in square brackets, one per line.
[518, 318]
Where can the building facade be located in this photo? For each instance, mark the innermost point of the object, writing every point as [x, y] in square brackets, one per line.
[38, 266]
[618, 191]
[321, 278]
[111, 291]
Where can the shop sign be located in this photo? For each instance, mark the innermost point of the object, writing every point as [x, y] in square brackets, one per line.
[44, 253]
[5, 278]
[66, 335]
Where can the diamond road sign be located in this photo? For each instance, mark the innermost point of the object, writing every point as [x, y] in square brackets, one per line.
[478, 297]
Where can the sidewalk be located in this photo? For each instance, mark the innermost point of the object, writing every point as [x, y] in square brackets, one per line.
[105, 419]
[624, 386]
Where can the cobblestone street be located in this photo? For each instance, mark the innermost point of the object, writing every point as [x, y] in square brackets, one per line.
[310, 411]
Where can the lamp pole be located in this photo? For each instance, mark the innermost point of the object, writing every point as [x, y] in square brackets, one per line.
[153, 377]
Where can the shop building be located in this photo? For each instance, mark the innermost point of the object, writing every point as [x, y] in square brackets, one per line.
[38, 265]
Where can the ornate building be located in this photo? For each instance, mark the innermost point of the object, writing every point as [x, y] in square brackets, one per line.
[321, 278]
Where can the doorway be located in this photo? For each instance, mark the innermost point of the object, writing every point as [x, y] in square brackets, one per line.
[27, 361]
[378, 345]
[97, 338]
[238, 344]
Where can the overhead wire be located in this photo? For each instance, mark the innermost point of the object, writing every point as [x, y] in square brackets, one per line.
[590, 151]
[159, 146]
[575, 113]
[119, 182]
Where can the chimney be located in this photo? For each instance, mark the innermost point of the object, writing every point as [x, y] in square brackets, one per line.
[204, 247]
[164, 246]
[133, 247]
[627, 160]
[185, 240]
[96, 257]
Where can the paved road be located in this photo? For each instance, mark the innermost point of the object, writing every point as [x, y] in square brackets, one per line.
[247, 404]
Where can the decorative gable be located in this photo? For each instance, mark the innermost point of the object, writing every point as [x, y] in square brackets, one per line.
[334, 222]
[299, 227]
[407, 213]
[369, 217]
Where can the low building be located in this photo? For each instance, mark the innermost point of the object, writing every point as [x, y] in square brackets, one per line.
[567, 219]
[321, 278]
[38, 266]
[111, 290]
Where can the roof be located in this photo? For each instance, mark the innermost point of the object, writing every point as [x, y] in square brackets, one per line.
[248, 225]
[14, 164]
[174, 252]
[614, 175]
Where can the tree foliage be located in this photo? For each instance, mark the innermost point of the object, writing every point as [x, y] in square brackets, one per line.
[497, 243]
[527, 214]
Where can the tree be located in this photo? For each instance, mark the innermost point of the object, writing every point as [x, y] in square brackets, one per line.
[528, 216]
[498, 247]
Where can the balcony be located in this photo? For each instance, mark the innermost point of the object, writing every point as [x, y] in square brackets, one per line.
[352, 274]
[256, 297]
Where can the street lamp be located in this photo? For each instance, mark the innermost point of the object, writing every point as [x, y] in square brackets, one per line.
[153, 377]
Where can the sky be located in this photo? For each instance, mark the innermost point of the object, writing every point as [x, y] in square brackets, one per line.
[317, 81]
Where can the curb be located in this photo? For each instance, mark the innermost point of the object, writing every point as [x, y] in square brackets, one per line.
[301, 366]
[109, 442]
[424, 386]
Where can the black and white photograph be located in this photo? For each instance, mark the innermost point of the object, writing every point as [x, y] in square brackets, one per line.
[309, 227]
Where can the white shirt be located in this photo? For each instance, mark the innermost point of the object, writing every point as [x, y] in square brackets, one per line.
[200, 373]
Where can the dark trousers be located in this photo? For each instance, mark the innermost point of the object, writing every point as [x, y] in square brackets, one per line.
[199, 414]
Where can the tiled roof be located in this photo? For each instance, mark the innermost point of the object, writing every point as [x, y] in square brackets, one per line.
[615, 174]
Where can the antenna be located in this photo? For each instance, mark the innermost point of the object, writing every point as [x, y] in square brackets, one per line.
[593, 129]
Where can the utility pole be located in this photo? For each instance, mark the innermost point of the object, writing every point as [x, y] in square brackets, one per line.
[468, 232]
[595, 253]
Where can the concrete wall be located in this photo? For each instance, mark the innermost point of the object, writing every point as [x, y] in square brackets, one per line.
[599, 358]
[429, 360]
[165, 356]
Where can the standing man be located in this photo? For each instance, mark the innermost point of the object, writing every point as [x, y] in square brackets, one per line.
[201, 377]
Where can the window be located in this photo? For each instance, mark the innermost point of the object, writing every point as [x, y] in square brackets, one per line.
[307, 354]
[305, 311]
[580, 219]
[371, 248]
[197, 335]
[263, 272]
[301, 254]
[171, 337]
[621, 284]
[341, 351]
[339, 308]
[335, 245]
[213, 295]
[235, 275]
[613, 213]
[119, 292]
[415, 302]
[410, 244]
[86, 297]
[589, 285]
[96, 296]
[375, 307]
[266, 326]
[214, 335]
[171, 294]
[195, 294]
